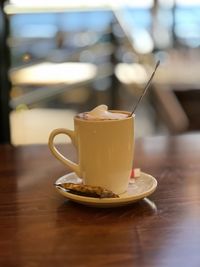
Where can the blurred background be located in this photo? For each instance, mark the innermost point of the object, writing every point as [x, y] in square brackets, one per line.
[59, 58]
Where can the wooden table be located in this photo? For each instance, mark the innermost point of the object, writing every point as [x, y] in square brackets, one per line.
[38, 227]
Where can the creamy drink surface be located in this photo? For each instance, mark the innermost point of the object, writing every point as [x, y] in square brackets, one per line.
[101, 113]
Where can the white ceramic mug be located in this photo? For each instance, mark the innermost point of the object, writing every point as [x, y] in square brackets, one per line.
[105, 151]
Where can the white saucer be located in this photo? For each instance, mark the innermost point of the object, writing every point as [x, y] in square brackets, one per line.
[138, 189]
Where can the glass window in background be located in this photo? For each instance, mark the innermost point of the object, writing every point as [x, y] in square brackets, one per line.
[48, 42]
[44, 40]
[56, 52]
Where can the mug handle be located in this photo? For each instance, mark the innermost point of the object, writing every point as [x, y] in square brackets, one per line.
[73, 166]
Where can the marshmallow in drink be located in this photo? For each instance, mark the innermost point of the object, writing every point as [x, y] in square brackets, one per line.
[101, 113]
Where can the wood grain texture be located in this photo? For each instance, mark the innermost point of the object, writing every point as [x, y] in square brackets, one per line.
[38, 227]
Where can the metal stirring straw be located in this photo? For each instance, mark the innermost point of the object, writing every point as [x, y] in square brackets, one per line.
[146, 87]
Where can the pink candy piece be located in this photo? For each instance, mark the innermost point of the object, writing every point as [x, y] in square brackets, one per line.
[135, 173]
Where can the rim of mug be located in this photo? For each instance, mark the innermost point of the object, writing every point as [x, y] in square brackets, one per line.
[109, 120]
